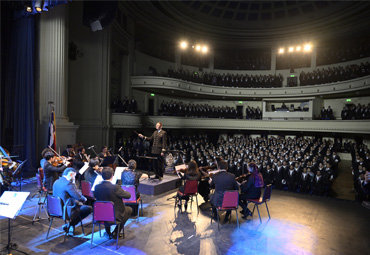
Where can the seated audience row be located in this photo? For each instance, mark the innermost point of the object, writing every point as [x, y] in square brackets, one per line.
[227, 80]
[285, 163]
[360, 170]
[342, 53]
[353, 112]
[124, 106]
[174, 108]
[334, 74]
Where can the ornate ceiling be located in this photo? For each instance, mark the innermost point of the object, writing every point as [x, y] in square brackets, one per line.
[249, 24]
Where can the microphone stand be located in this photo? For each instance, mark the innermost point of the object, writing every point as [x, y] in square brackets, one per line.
[92, 148]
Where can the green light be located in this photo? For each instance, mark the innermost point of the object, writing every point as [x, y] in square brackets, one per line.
[292, 75]
[349, 100]
[240, 102]
[195, 73]
[152, 94]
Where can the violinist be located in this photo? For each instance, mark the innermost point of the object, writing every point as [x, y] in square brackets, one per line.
[43, 153]
[69, 151]
[131, 176]
[52, 169]
[80, 158]
[104, 152]
[203, 187]
[250, 188]
[192, 174]
[93, 171]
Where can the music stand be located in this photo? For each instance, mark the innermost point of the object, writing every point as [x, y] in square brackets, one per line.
[149, 158]
[11, 203]
[108, 160]
[19, 169]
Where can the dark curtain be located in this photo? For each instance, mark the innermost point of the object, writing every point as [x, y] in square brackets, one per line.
[19, 89]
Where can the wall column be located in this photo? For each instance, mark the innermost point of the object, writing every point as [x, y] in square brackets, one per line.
[53, 75]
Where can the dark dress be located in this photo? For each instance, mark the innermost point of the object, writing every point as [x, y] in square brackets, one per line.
[248, 191]
[51, 174]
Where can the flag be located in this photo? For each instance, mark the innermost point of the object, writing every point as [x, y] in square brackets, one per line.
[51, 134]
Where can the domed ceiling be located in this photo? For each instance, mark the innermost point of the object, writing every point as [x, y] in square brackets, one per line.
[249, 24]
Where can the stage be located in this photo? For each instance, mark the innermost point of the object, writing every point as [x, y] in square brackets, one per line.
[300, 224]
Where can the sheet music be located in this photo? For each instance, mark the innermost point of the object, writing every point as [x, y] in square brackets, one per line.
[117, 176]
[84, 168]
[11, 203]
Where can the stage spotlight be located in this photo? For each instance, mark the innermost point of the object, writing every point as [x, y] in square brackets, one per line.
[204, 49]
[291, 49]
[307, 47]
[29, 8]
[281, 50]
[38, 5]
[298, 48]
[197, 48]
[183, 45]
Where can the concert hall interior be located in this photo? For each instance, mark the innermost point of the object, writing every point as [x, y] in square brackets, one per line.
[160, 91]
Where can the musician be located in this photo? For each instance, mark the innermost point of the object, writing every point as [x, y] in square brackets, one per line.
[203, 186]
[159, 138]
[106, 191]
[43, 153]
[69, 151]
[221, 181]
[93, 171]
[131, 176]
[104, 152]
[250, 188]
[80, 158]
[191, 174]
[51, 173]
[65, 189]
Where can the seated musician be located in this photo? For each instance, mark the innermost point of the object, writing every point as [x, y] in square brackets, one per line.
[131, 176]
[52, 170]
[222, 181]
[104, 152]
[203, 187]
[191, 174]
[69, 151]
[250, 188]
[93, 171]
[43, 160]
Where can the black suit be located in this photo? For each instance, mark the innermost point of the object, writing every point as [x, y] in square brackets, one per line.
[159, 139]
[51, 174]
[222, 182]
[65, 189]
[106, 191]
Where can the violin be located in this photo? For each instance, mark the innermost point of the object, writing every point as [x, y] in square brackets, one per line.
[58, 161]
[243, 177]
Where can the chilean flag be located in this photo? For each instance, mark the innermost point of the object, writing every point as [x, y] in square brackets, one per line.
[51, 134]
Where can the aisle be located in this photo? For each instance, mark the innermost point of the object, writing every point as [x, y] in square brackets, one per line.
[343, 185]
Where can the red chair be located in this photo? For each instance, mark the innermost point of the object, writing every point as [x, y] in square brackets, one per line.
[190, 190]
[86, 190]
[266, 197]
[104, 212]
[42, 194]
[230, 202]
[133, 200]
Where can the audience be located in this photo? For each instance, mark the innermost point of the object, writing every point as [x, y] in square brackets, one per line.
[124, 106]
[274, 157]
[327, 114]
[227, 80]
[334, 74]
[353, 112]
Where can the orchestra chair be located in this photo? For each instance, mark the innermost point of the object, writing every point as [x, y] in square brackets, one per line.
[230, 202]
[86, 190]
[133, 200]
[264, 199]
[190, 190]
[104, 212]
[42, 194]
[55, 209]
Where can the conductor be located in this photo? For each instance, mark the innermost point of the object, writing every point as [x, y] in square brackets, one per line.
[159, 138]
